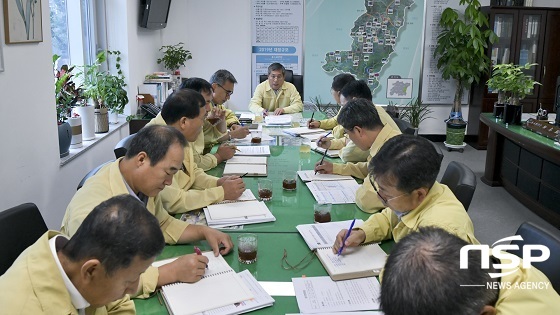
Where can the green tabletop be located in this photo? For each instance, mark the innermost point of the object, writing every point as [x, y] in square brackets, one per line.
[292, 207]
[518, 129]
[267, 268]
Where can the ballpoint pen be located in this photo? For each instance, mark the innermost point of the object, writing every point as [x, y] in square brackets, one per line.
[310, 120]
[199, 253]
[346, 237]
[321, 163]
[323, 137]
[243, 175]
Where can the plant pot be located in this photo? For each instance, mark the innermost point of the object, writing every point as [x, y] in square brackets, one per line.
[64, 138]
[512, 114]
[101, 120]
[113, 117]
[87, 113]
[498, 111]
[455, 132]
[76, 126]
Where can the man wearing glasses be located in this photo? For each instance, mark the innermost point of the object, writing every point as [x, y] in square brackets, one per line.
[276, 95]
[362, 124]
[404, 171]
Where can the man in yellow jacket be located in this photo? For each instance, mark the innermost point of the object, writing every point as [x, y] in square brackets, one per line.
[423, 276]
[150, 164]
[349, 152]
[403, 173]
[360, 120]
[276, 96]
[90, 273]
[193, 189]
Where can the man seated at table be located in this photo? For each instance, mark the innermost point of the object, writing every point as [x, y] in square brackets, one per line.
[276, 96]
[90, 273]
[423, 276]
[361, 122]
[349, 152]
[214, 128]
[193, 189]
[150, 164]
[404, 171]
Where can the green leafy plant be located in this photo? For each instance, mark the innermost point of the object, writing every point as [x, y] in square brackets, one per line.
[329, 109]
[66, 92]
[460, 50]
[103, 87]
[174, 56]
[415, 112]
[510, 78]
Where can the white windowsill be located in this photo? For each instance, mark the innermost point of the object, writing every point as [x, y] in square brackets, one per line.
[87, 144]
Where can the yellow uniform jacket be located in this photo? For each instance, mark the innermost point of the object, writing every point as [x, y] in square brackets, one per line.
[264, 98]
[440, 208]
[33, 285]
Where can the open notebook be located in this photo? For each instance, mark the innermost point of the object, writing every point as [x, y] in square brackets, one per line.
[250, 165]
[330, 153]
[220, 286]
[357, 262]
[238, 212]
[309, 176]
[298, 131]
[253, 150]
[323, 234]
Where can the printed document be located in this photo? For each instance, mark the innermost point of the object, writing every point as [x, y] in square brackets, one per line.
[262, 150]
[323, 234]
[335, 192]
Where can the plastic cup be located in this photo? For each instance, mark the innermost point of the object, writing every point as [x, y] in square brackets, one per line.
[289, 180]
[265, 189]
[256, 136]
[305, 146]
[322, 212]
[247, 246]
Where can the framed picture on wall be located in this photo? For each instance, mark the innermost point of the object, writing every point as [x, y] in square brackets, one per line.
[23, 21]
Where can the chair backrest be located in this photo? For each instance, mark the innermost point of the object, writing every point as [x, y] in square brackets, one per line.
[462, 182]
[533, 233]
[289, 76]
[123, 145]
[20, 227]
[404, 126]
[91, 173]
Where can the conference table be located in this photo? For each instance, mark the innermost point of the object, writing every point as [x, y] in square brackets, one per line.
[290, 208]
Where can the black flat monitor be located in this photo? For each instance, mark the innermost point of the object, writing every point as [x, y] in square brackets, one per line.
[154, 13]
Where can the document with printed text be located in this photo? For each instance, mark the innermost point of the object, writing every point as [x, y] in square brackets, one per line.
[335, 192]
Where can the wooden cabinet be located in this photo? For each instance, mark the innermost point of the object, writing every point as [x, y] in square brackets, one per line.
[526, 35]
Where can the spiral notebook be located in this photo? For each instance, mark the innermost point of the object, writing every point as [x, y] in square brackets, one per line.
[220, 286]
[357, 262]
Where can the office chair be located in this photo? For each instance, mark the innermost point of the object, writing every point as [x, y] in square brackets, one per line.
[91, 173]
[532, 233]
[404, 126]
[123, 145]
[20, 227]
[462, 182]
[289, 76]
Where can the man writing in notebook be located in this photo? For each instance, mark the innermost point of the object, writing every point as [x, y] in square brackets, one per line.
[423, 276]
[276, 96]
[403, 173]
[361, 122]
[90, 273]
[214, 128]
[193, 189]
[150, 164]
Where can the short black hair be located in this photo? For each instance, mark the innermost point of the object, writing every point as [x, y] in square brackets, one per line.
[155, 140]
[182, 103]
[115, 232]
[275, 67]
[359, 112]
[198, 84]
[412, 161]
[356, 89]
[222, 76]
[340, 80]
[422, 276]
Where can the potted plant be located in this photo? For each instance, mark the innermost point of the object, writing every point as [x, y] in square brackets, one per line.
[66, 96]
[460, 54]
[415, 113]
[512, 80]
[107, 90]
[174, 56]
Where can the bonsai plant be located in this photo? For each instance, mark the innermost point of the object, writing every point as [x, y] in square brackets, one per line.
[174, 56]
[460, 54]
[415, 113]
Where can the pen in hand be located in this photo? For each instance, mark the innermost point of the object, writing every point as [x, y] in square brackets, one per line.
[323, 137]
[346, 237]
[310, 120]
[243, 175]
[322, 159]
[199, 253]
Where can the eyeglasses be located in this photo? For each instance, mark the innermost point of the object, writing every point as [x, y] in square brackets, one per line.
[228, 92]
[275, 76]
[385, 201]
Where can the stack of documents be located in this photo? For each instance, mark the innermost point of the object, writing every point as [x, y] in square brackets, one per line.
[244, 210]
[330, 153]
[278, 120]
[335, 192]
[309, 176]
[246, 165]
[300, 131]
[256, 150]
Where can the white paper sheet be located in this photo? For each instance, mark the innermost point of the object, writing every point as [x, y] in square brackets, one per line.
[262, 150]
[309, 176]
[335, 192]
[323, 234]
